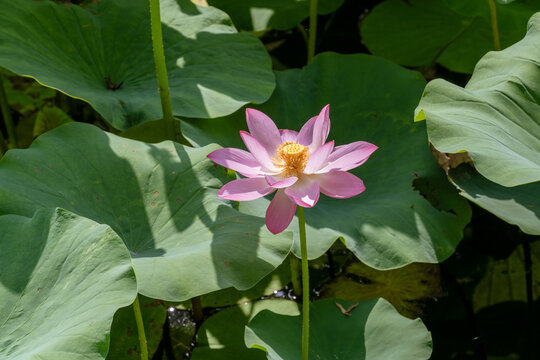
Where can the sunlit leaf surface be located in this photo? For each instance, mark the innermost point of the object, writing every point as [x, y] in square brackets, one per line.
[59, 295]
[496, 117]
[391, 224]
[103, 55]
[161, 200]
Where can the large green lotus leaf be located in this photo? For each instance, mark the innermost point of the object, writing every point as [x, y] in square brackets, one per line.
[373, 330]
[391, 224]
[85, 52]
[125, 343]
[62, 277]
[518, 205]
[496, 117]
[258, 15]
[455, 33]
[161, 199]
[221, 336]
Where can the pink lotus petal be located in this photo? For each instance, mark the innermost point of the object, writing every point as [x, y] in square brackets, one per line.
[245, 189]
[319, 158]
[304, 193]
[350, 156]
[283, 183]
[314, 133]
[280, 212]
[340, 184]
[305, 136]
[288, 135]
[264, 130]
[258, 152]
[237, 160]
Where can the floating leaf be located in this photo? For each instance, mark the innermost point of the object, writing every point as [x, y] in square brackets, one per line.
[372, 330]
[103, 55]
[221, 336]
[161, 199]
[496, 117]
[391, 224]
[62, 277]
[455, 33]
[258, 15]
[405, 288]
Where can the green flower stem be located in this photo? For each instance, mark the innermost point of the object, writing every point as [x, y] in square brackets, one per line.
[161, 72]
[494, 25]
[305, 283]
[6, 114]
[197, 310]
[296, 274]
[312, 29]
[140, 328]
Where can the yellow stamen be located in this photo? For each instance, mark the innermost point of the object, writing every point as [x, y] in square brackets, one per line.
[291, 158]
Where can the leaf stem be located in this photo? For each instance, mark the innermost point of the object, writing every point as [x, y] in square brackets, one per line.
[305, 283]
[140, 328]
[296, 274]
[197, 310]
[161, 73]
[313, 5]
[494, 25]
[6, 114]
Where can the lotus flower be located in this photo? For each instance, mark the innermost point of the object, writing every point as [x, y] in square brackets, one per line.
[298, 166]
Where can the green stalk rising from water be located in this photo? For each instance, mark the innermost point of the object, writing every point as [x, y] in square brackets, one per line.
[140, 328]
[305, 283]
[161, 72]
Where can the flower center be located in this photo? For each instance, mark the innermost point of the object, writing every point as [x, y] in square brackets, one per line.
[291, 158]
